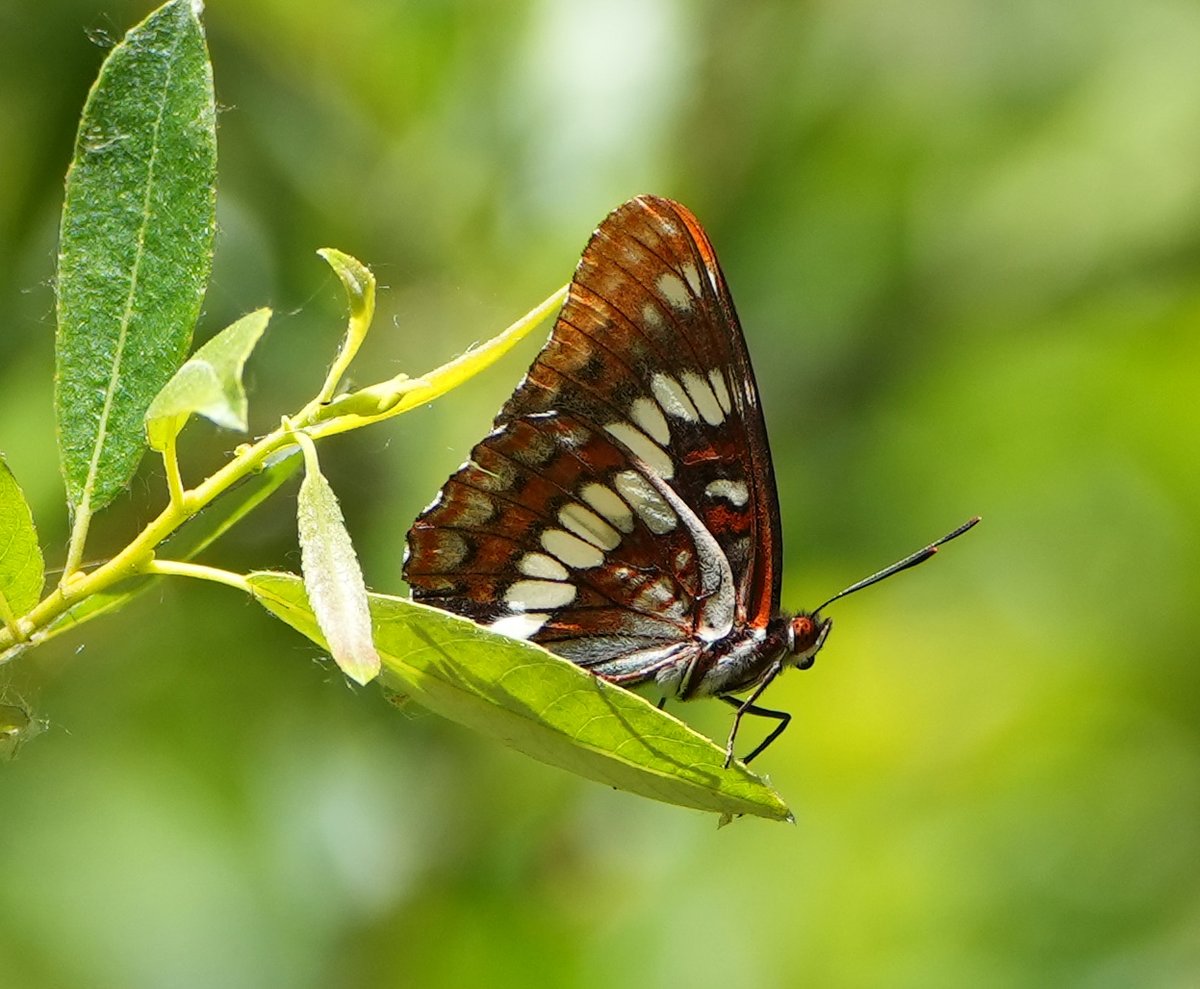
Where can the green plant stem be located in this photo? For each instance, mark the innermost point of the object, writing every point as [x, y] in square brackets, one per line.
[138, 556]
[79, 533]
[180, 568]
[10, 620]
[174, 478]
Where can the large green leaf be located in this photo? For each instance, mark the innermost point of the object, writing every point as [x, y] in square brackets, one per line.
[136, 246]
[21, 568]
[540, 704]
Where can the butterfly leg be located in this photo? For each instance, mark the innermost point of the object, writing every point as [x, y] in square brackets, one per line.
[748, 706]
[783, 717]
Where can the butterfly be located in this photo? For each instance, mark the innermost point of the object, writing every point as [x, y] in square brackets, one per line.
[622, 512]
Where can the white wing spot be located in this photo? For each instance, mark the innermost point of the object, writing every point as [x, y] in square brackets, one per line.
[702, 395]
[671, 287]
[570, 549]
[651, 316]
[735, 492]
[525, 595]
[670, 395]
[657, 515]
[588, 525]
[520, 626]
[693, 279]
[541, 565]
[648, 415]
[643, 447]
[719, 387]
[714, 279]
[609, 504]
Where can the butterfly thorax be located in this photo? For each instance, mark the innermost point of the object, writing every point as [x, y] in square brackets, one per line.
[747, 655]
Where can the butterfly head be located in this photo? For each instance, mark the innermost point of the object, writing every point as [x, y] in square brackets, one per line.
[806, 635]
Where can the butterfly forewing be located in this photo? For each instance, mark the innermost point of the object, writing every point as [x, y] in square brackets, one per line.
[622, 512]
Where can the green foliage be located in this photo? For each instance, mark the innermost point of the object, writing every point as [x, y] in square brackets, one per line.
[548, 708]
[332, 577]
[21, 566]
[359, 284]
[201, 532]
[209, 383]
[135, 248]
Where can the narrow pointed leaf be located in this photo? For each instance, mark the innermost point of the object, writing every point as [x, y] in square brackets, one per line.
[356, 278]
[454, 373]
[22, 571]
[208, 384]
[136, 246]
[332, 576]
[359, 284]
[542, 705]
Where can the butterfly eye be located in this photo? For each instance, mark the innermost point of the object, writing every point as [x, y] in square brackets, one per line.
[807, 635]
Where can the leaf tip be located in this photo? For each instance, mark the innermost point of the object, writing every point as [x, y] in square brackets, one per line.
[355, 276]
[361, 668]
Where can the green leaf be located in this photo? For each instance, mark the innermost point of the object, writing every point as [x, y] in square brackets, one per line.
[22, 570]
[200, 532]
[542, 705]
[135, 248]
[359, 284]
[209, 383]
[332, 576]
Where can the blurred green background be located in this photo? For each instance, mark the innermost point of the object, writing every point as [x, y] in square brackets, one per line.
[964, 239]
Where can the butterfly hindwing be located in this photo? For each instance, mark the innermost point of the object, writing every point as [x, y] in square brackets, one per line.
[549, 532]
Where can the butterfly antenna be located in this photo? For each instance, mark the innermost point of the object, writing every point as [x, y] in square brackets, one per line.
[909, 561]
